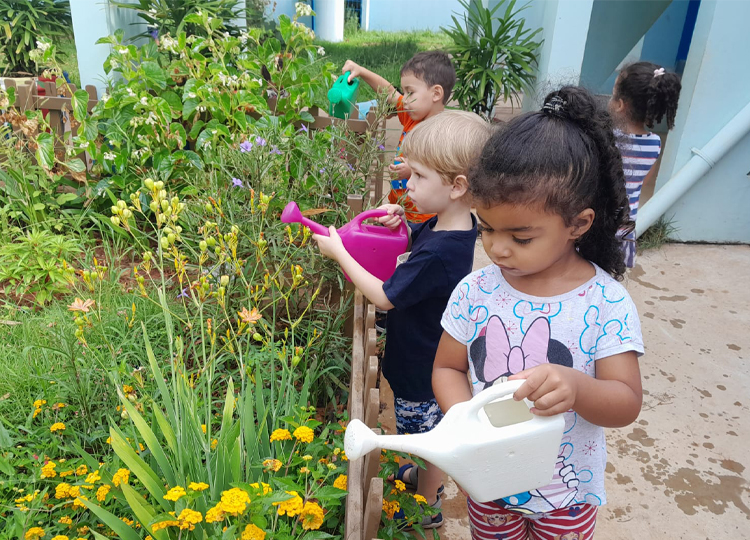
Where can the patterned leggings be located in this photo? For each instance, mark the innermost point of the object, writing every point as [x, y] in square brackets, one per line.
[489, 521]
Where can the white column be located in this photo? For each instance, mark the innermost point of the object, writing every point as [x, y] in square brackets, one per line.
[329, 20]
[90, 22]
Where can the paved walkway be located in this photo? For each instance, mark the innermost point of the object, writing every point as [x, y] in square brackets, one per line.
[679, 472]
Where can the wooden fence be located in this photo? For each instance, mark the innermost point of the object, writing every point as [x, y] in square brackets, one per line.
[365, 499]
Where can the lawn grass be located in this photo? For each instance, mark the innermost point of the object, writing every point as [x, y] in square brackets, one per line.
[69, 60]
[657, 235]
[382, 52]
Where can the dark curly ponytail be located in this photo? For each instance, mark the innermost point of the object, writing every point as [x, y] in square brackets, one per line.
[650, 93]
[565, 159]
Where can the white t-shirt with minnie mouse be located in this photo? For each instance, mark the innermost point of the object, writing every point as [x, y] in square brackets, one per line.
[507, 331]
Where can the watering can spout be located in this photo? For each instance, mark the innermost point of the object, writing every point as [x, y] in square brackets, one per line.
[292, 214]
[360, 440]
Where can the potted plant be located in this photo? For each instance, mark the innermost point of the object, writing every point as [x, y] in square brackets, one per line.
[494, 55]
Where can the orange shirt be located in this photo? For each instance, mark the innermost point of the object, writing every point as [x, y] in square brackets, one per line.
[398, 195]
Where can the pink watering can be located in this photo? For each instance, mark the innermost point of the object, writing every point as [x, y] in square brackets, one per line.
[375, 247]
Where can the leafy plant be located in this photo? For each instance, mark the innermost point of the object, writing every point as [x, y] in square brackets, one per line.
[494, 55]
[172, 16]
[34, 265]
[26, 21]
[657, 235]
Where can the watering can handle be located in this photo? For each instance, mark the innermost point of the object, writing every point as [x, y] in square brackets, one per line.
[491, 394]
[374, 213]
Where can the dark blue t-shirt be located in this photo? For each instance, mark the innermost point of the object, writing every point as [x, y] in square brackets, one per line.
[419, 290]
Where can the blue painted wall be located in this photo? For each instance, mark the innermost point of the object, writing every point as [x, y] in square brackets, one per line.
[715, 89]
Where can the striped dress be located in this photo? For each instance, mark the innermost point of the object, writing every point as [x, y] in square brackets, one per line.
[639, 153]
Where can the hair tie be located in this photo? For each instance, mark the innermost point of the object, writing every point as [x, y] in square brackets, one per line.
[556, 106]
[658, 72]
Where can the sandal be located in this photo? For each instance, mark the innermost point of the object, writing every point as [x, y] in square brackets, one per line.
[411, 483]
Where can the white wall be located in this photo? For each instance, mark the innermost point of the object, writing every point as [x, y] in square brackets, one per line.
[395, 15]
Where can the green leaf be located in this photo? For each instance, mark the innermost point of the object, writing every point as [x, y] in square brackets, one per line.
[122, 530]
[317, 535]
[143, 511]
[154, 74]
[240, 119]
[80, 102]
[45, 152]
[76, 165]
[66, 197]
[139, 468]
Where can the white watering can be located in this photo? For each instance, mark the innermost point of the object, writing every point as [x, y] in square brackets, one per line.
[491, 445]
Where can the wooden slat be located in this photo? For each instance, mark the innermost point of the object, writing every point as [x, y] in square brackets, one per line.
[371, 374]
[356, 392]
[370, 317]
[372, 407]
[373, 508]
[371, 345]
[372, 465]
[354, 504]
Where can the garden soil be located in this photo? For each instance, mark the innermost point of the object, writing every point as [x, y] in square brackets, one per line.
[681, 470]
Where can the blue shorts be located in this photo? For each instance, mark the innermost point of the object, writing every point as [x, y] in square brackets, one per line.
[416, 416]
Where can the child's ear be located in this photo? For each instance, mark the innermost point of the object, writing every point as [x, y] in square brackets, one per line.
[582, 223]
[460, 187]
[437, 93]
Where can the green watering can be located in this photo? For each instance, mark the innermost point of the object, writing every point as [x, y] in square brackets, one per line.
[342, 97]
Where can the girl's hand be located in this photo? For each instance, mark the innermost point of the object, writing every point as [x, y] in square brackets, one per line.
[552, 388]
[394, 218]
[330, 246]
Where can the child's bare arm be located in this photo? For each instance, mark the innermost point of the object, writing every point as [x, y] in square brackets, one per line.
[375, 81]
[450, 383]
[612, 399]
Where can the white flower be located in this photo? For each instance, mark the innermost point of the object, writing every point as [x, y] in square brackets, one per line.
[130, 92]
[113, 63]
[191, 95]
[109, 156]
[168, 43]
[151, 120]
[122, 50]
[105, 97]
[43, 45]
[303, 9]
[321, 51]
[201, 108]
[144, 100]
[152, 11]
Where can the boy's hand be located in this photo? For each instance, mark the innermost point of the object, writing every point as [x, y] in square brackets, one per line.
[395, 216]
[552, 388]
[400, 170]
[354, 69]
[330, 246]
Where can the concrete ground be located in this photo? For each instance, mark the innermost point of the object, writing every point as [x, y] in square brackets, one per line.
[679, 471]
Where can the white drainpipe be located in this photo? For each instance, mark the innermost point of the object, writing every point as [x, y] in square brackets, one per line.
[699, 164]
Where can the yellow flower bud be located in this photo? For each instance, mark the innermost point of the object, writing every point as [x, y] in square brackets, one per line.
[224, 280]
[149, 183]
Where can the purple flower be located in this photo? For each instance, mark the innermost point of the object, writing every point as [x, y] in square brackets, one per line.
[322, 170]
[183, 294]
[350, 166]
[260, 141]
[276, 151]
[246, 146]
[153, 32]
[303, 128]
[381, 147]
[236, 182]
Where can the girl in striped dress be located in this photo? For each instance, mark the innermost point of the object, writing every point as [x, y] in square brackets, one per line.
[644, 93]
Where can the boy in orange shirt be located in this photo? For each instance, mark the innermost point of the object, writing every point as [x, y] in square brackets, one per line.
[427, 80]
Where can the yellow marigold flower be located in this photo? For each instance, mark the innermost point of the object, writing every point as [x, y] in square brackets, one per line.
[60, 537]
[60, 405]
[266, 489]
[48, 470]
[121, 477]
[304, 470]
[304, 434]
[198, 486]
[78, 504]
[175, 493]
[109, 440]
[215, 514]
[307, 457]
[214, 444]
[253, 532]
[188, 518]
[80, 471]
[164, 524]
[203, 428]
[336, 451]
[101, 493]
[331, 467]
[65, 520]
[39, 402]
[74, 491]
[36, 412]
[343, 456]
[311, 516]
[83, 530]
[340, 482]
[234, 501]
[290, 507]
[399, 485]
[272, 464]
[390, 508]
[57, 426]
[126, 521]
[419, 498]
[63, 474]
[93, 477]
[62, 491]
[281, 435]
[127, 389]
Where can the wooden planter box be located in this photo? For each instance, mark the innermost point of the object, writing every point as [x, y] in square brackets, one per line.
[365, 499]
